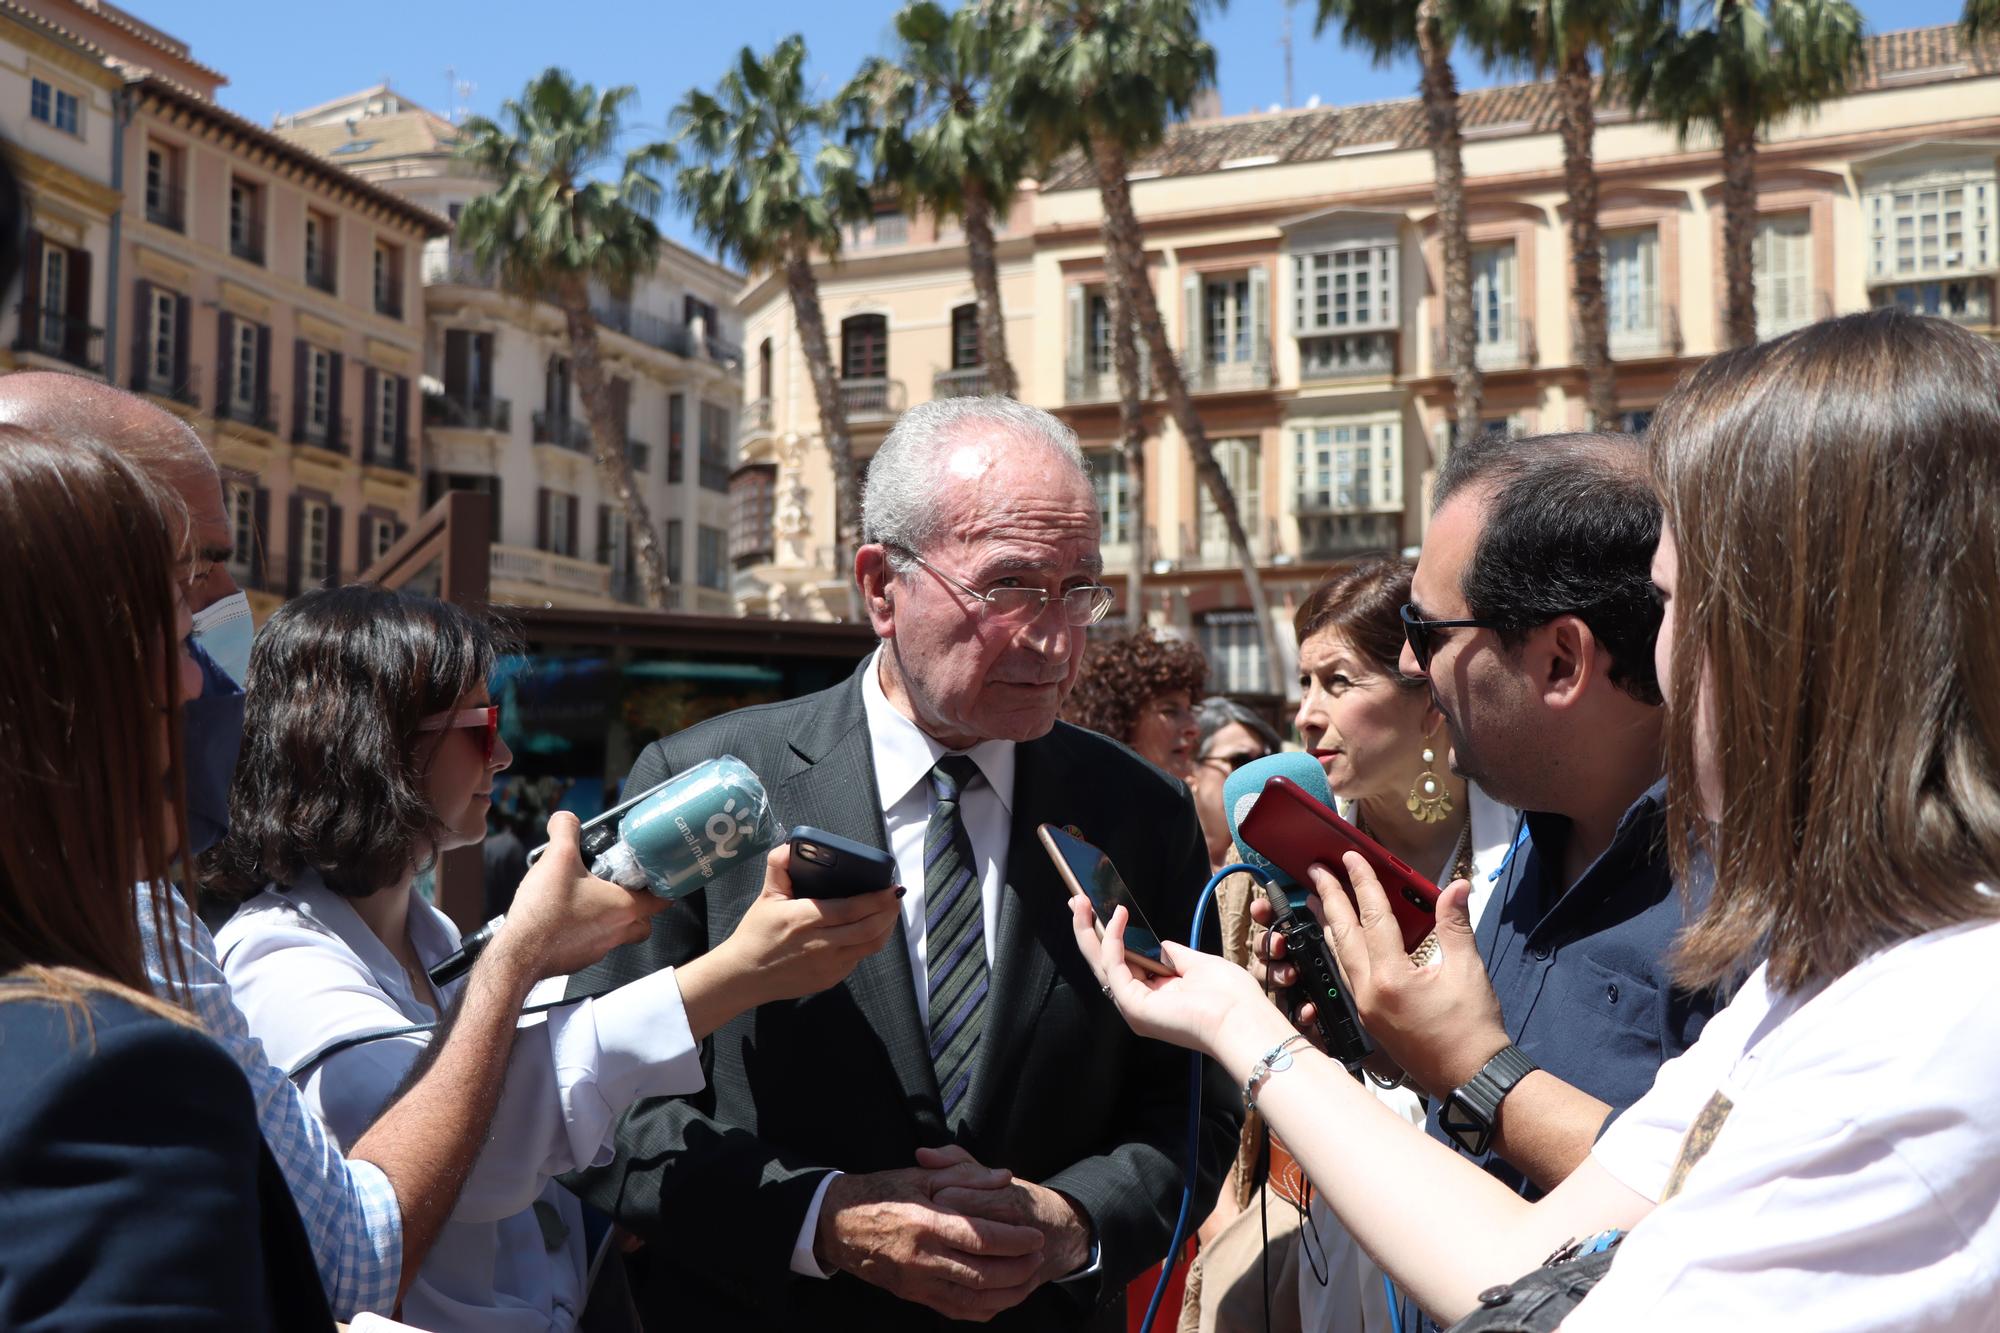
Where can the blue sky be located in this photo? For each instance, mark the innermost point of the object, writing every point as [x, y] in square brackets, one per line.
[281, 58]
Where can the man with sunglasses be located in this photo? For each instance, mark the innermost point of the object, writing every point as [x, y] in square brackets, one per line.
[833, 1174]
[1532, 616]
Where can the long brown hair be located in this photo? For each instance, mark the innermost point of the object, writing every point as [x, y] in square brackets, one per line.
[90, 550]
[1835, 496]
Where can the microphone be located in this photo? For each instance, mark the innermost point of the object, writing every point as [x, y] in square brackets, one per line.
[1338, 1025]
[670, 840]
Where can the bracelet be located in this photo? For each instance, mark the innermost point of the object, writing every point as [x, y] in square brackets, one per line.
[1278, 1058]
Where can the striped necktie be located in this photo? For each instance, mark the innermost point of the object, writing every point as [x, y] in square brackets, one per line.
[955, 949]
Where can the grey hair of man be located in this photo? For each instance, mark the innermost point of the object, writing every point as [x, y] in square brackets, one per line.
[901, 509]
[1217, 712]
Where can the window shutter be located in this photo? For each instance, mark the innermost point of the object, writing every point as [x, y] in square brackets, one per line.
[333, 535]
[541, 518]
[76, 343]
[457, 356]
[404, 434]
[604, 534]
[1079, 335]
[295, 537]
[301, 388]
[31, 280]
[571, 545]
[480, 386]
[364, 534]
[260, 539]
[370, 409]
[141, 326]
[225, 360]
[1194, 338]
[334, 439]
[263, 395]
[183, 310]
[1260, 316]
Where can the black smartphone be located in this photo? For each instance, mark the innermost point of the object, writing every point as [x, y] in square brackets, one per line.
[1088, 871]
[826, 865]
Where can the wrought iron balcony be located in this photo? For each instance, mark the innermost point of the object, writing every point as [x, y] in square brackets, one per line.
[260, 413]
[248, 246]
[1347, 356]
[1089, 383]
[473, 412]
[871, 398]
[54, 334]
[1653, 330]
[756, 420]
[1229, 376]
[145, 380]
[319, 271]
[561, 431]
[1506, 344]
[166, 206]
[964, 382]
[330, 435]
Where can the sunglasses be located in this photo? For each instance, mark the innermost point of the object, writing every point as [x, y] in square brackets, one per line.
[1421, 632]
[486, 718]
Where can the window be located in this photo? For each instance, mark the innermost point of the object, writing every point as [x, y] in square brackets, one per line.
[55, 106]
[714, 474]
[1781, 261]
[1241, 462]
[316, 519]
[1942, 226]
[693, 308]
[163, 186]
[764, 369]
[246, 220]
[676, 437]
[319, 250]
[54, 297]
[388, 420]
[1347, 466]
[864, 347]
[1495, 328]
[381, 535]
[319, 394]
[240, 498]
[162, 340]
[1235, 652]
[711, 550]
[1100, 359]
[388, 279]
[1631, 288]
[1968, 301]
[1341, 289]
[965, 337]
[555, 388]
[752, 502]
[1113, 484]
[1225, 319]
[1352, 354]
[245, 393]
[555, 517]
[674, 530]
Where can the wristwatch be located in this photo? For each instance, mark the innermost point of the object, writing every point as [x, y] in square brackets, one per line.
[1469, 1114]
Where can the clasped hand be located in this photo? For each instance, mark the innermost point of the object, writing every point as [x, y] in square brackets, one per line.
[966, 1240]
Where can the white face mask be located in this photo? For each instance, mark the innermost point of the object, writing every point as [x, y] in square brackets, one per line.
[224, 630]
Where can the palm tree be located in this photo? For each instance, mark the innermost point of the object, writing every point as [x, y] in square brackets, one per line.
[1739, 67]
[769, 182]
[1388, 29]
[551, 231]
[1559, 37]
[1980, 20]
[945, 144]
[1104, 77]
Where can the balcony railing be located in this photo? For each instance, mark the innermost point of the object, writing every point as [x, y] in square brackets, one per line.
[642, 326]
[1655, 332]
[261, 413]
[457, 267]
[562, 431]
[144, 380]
[641, 455]
[964, 382]
[393, 455]
[166, 206]
[328, 435]
[54, 334]
[1230, 376]
[723, 351]
[319, 271]
[389, 302]
[1967, 301]
[1091, 384]
[872, 397]
[454, 412]
[1348, 356]
[248, 246]
[1511, 345]
[756, 420]
[546, 569]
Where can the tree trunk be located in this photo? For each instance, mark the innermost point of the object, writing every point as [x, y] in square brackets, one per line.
[804, 290]
[1121, 229]
[607, 441]
[1576, 98]
[1739, 229]
[1131, 428]
[1000, 377]
[1439, 87]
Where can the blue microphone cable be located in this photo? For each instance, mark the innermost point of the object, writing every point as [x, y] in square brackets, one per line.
[1194, 1105]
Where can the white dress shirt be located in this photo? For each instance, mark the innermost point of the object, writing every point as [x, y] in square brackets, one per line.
[904, 756]
[308, 971]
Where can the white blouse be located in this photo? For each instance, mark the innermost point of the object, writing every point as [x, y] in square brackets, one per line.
[307, 972]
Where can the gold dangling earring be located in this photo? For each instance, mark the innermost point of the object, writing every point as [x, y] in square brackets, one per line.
[1429, 801]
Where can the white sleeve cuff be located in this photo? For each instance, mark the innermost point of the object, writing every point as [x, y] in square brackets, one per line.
[803, 1262]
[617, 1048]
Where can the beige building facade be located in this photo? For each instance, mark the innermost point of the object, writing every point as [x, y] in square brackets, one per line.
[1295, 258]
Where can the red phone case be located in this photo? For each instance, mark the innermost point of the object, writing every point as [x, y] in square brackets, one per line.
[1292, 830]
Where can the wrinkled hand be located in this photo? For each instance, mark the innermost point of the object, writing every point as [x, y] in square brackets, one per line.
[1189, 1009]
[563, 919]
[1066, 1231]
[887, 1228]
[1440, 1022]
[786, 947]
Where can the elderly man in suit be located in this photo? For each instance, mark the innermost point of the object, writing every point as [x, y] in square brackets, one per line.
[964, 1130]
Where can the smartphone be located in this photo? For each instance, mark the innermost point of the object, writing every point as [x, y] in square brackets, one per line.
[1089, 872]
[826, 865]
[1294, 830]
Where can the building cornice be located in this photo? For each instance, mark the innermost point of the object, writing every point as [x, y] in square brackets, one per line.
[57, 181]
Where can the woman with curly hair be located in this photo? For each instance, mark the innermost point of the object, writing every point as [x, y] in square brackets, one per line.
[1140, 689]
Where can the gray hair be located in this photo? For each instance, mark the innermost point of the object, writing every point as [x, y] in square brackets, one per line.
[1217, 712]
[900, 509]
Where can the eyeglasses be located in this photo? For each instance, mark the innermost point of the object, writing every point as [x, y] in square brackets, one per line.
[1084, 605]
[487, 717]
[1419, 631]
[1229, 763]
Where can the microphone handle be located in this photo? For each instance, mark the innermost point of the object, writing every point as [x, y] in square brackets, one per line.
[469, 949]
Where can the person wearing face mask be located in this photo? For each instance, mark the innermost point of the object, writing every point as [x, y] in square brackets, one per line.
[372, 1212]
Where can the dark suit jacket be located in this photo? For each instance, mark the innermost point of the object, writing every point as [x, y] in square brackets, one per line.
[1062, 1093]
[135, 1189]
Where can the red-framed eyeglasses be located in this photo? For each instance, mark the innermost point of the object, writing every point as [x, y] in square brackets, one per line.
[487, 718]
